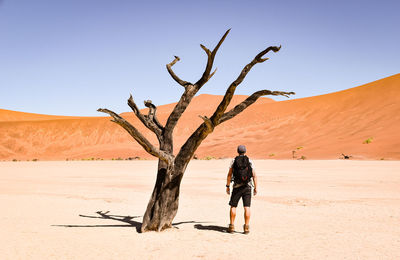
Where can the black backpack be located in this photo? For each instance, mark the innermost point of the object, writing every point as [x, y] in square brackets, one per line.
[242, 171]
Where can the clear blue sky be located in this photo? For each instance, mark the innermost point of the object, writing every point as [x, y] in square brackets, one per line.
[70, 57]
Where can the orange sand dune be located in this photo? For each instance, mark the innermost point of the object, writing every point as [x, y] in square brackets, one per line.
[323, 126]
[9, 115]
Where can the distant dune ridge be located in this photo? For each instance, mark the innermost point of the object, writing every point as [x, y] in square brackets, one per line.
[363, 122]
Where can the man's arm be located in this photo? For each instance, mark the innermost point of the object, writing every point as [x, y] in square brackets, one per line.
[228, 181]
[255, 182]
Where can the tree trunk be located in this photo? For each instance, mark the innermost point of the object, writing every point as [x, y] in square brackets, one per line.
[164, 201]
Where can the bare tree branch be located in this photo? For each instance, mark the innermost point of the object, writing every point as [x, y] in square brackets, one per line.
[138, 136]
[208, 122]
[249, 101]
[152, 113]
[212, 74]
[179, 108]
[150, 122]
[231, 90]
[259, 57]
[194, 141]
[173, 75]
[207, 127]
[210, 61]
[191, 90]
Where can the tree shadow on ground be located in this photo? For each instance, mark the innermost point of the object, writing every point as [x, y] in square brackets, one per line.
[126, 219]
[211, 227]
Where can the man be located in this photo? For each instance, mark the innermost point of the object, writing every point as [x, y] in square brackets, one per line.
[241, 187]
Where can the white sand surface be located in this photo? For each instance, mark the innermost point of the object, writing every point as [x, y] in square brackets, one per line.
[304, 210]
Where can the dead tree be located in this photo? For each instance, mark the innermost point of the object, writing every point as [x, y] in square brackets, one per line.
[346, 156]
[163, 204]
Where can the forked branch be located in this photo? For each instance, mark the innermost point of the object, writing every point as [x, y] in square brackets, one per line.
[210, 61]
[137, 136]
[152, 116]
[173, 75]
[190, 89]
[207, 122]
[150, 122]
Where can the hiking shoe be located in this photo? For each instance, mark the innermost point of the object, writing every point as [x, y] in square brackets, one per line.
[231, 228]
[246, 229]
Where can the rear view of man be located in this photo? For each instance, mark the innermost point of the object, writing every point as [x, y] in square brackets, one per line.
[241, 171]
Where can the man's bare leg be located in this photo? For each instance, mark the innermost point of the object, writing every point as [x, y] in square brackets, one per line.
[246, 227]
[232, 215]
[246, 215]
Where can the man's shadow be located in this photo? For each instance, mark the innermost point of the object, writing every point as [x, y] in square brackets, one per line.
[126, 219]
[211, 227]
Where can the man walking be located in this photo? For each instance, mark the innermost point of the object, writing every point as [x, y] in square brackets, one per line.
[242, 171]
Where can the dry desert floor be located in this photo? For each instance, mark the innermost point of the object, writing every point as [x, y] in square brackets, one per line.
[304, 210]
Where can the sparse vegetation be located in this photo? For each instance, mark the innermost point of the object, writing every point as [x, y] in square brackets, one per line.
[122, 159]
[208, 157]
[133, 158]
[303, 157]
[35, 160]
[14, 160]
[294, 155]
[368, 141]
[271, 155]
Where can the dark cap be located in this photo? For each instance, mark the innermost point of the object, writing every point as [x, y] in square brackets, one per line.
[241, 149]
